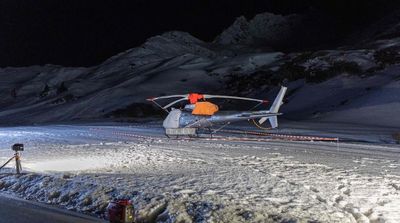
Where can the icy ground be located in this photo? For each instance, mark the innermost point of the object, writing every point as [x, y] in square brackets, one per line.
[82, 167]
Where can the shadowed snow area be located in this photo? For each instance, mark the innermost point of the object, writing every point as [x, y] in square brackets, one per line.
[83, 167]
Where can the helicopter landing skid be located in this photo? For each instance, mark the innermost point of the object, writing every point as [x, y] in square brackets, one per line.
[191, 132]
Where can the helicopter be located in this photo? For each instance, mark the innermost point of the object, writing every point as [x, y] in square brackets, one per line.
[201, 114]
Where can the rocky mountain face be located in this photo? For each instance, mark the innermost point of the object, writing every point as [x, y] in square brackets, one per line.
[356, 84]
[264, 29]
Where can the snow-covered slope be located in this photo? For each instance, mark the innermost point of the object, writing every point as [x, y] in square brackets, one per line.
[174, 62]
[343, 85]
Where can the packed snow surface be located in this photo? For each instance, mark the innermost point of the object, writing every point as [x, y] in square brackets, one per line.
[83, 167]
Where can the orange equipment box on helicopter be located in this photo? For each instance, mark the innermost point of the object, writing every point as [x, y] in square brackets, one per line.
[204, 108]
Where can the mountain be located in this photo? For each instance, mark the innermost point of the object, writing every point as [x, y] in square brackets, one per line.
[347, 84]
[263, 29]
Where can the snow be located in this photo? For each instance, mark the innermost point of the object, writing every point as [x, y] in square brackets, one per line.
[147, 71]
[204, 181]
[378, 102]
[351, 99]
[363, 58]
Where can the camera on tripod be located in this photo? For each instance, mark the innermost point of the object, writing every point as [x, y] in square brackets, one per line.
[18, 147]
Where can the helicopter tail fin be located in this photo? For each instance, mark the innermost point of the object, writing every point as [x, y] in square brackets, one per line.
[275, 108]
[278, 100]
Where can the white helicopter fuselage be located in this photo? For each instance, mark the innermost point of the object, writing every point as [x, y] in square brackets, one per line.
[185, 119]
[183, 122]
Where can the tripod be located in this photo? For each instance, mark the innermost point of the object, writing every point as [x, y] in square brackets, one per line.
[17, 162]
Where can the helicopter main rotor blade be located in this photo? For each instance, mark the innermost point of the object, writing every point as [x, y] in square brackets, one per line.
[183, 97]
[234, 97]
[169, 96]
[174, 102]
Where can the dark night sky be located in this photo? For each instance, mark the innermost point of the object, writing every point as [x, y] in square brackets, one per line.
[84, 33]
